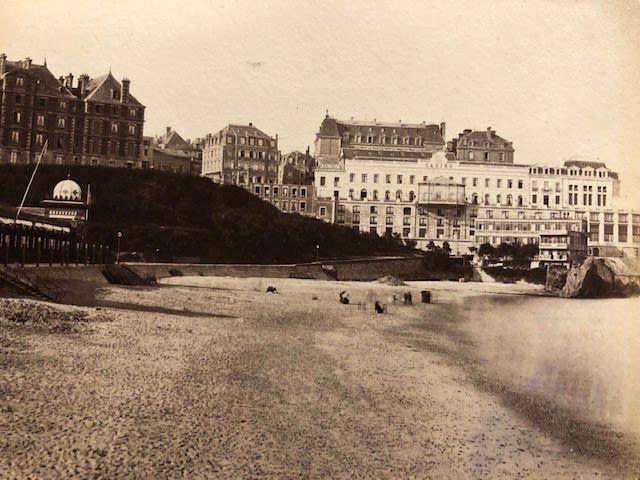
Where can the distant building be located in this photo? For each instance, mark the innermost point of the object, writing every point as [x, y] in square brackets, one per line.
[481, 147]
[171, 152]
[296, 168]
[288, 198]
[240, 155]
[562, 247]
[96, 122]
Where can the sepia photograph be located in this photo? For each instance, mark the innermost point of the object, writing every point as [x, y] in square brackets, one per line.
[319, 240]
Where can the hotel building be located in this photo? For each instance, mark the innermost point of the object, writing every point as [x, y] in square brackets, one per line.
[389, 178]
[94, 122]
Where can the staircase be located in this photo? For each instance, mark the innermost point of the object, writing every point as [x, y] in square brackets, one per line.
[31, 284]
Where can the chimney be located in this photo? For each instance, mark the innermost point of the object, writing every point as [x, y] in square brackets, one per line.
[69, 81]
[61, 80]
[3, 64]
[26, 64]
[168, 131]
[443, 130]
[489, 132]
[251, 124]
[82, 85]
[124, 97]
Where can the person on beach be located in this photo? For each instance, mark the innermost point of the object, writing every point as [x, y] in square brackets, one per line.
[378, 307]
[407, 298]
[344, 297]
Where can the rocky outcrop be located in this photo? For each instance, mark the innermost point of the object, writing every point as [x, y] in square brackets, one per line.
[602, 277]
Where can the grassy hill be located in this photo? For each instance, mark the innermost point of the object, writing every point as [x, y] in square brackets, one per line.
[166, 216]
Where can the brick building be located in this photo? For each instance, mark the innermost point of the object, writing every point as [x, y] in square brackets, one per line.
[94, 122]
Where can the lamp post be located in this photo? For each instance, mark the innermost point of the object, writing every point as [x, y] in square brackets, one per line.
[118, 248]
[317, 252]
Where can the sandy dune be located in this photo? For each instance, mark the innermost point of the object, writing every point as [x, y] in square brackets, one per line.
[215, 378]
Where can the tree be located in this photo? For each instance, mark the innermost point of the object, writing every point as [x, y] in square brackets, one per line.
[446, 248]
[486, 249]
[431, 246]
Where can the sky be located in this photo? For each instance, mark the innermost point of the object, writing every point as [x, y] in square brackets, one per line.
[558, 78]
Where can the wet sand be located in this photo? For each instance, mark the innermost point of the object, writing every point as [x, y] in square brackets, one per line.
[215, 378]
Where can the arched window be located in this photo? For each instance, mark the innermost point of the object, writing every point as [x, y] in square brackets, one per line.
[369, 138]
[387, 195]
[398, 194]
[474, 199]
[351, 192]
[363, 194]
[411, 196]
[486, 199]
[498, 198]
[375, 195]
[509, 199]
[519, 200]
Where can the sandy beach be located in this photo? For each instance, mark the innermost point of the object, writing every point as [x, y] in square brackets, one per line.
[212, 377]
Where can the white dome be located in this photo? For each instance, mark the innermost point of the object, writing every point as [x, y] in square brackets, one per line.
[67, 190]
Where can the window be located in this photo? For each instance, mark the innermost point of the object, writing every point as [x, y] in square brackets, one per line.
[39, 139]
[61, 122]
[373, 209]
[412, 179]
[520, 183]
[499, 183]
[15, 136]
[13, 158]
[352, 177]
[243, 140]
[486, 183]
[19, 82]
[364, 178]
[474, 182]
[389, 210]
[363, 194]
[323, 181]
[373, 220]
[388, 220]
[17, 117]
[375, 178]
[399, 195]
[336, 181]
[323, 211]
[486, 155]
[388, 178]
[356, 209]
[40, 120]
[260, 142]
[399, 179]
[18, 99]
[502, 156]
[132, 129]
[470, 155]
[114, 127]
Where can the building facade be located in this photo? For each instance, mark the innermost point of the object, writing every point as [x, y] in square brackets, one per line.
[171, 152]
[94, 122]
[425, 192]
[240, 155]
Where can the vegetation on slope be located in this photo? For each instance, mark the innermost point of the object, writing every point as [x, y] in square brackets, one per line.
[165, 216]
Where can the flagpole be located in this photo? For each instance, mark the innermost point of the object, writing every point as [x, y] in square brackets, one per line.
[24, 197]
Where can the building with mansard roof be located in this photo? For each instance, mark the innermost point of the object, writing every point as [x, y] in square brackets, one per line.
[240, 155]
[91, 122]
[414, 186]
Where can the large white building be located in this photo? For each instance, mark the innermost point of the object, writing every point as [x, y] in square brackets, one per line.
[388, 178]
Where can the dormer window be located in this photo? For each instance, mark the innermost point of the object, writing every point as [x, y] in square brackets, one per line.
[63, 105]
[19, 82]
[405, 140]
[418, 141]
[471, 143]
[243, 141]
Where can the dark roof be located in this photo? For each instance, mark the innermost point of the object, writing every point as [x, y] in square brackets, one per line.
[245, 131]
[480, 136]
[329, 128]
[48, 84]
[385, 154]
[428, 133]
[99, 90]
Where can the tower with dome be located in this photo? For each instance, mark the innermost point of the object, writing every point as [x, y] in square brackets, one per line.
[67, 202]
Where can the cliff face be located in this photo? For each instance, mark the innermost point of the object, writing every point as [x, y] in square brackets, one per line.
[602, 277]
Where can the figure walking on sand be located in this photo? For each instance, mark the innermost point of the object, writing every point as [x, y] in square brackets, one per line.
[378, 307]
